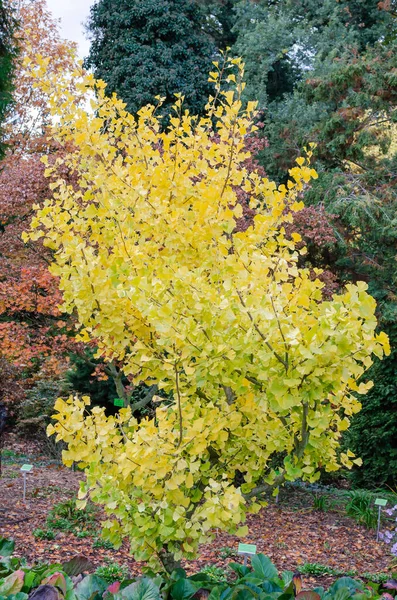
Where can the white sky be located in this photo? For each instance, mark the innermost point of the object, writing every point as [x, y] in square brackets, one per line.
[73, 13]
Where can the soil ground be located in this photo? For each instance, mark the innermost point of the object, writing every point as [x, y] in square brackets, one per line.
[290, 532]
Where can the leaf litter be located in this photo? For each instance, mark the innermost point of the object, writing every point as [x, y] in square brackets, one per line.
[290, 532]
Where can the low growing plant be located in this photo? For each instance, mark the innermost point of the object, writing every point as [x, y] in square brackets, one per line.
[318, 569]
[360, 508]
[112, 572]
[321, 502]
[214, 573]
[65, 516]
[83, 534]
[101, 543]
[44, 534]
[227, 552]
[389, 536]
[259, 581]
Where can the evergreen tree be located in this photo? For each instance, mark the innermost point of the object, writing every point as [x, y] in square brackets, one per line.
[89, 376]
[344, 98]
[81, 377]
[8, 52]
[373, 433]
[283, 41]
[220, 17]
[265, 37]
[145, 48]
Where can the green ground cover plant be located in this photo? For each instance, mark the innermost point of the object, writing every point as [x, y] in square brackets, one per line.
[65, 516]
[318, 569]
[260, 580]
[44, 534]
[101, 543]
[111, 572]
[361, 508]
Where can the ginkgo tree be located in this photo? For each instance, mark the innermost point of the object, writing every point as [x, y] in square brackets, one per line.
[256, 372]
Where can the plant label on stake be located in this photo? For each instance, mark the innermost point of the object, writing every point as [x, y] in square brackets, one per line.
[118, 402]
[379, 502]
[246, 550]
[25, 469]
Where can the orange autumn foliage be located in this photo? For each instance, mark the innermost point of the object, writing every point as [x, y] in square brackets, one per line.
[34, 339]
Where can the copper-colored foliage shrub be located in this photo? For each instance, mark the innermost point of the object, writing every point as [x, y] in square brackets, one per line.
[33, 334]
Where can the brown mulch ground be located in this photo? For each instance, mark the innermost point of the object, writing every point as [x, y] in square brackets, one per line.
[291, 533]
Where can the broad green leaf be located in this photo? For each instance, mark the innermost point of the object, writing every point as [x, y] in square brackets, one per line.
[90, 587]
[263, 567]
[6, 547]
[215, 594]
[30, 578]
[143, 589]
[184, 589]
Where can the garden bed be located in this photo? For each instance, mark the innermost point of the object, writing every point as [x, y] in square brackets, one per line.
[291, 532]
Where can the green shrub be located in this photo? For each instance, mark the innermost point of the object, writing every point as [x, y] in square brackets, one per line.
[34, 413]
[360, 508]
[373, 432]
[81, 378]
[40, 399]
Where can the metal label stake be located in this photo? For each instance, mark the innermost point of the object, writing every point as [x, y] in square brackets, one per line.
[379, 502]
[246, 550]
[24, 470]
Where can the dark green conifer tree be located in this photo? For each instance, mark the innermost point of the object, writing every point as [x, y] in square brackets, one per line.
[283, 41]
[8, 52]
[373, 434]
[220, 19]
[334, 65]
[145, 48]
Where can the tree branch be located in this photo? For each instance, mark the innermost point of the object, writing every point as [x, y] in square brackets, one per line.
[117, 377]
[279, 358]
[265, 487]
[152, 390]
[230, 395]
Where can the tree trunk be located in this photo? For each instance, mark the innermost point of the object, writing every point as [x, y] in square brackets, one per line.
[168, 561]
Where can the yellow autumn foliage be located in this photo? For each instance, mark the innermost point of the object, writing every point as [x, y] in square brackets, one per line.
[255, 371]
